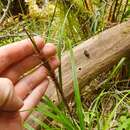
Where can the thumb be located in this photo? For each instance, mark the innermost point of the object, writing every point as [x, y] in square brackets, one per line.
[8, 99]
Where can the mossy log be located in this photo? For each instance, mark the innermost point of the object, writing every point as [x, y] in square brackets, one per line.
[94, 56]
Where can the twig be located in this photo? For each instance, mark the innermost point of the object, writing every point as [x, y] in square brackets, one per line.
[2, 37]
[124, 10]
[118, 10]
[110, 12]
[51, 72]
[106, 2]
[18, 34]
[50, 24]
[114, 11]
[5, 12]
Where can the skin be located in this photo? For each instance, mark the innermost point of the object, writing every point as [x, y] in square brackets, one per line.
[19, 91]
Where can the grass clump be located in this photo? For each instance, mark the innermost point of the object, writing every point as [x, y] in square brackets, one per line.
[67, 23]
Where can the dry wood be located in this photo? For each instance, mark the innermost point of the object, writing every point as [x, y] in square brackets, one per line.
[104, 51]
[93, 57]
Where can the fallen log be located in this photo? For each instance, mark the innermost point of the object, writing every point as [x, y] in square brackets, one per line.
[94, 56]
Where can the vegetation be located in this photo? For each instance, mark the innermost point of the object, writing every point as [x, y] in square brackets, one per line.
[68, 23]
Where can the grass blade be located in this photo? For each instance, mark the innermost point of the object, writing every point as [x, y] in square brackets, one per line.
[28, 127]
[76, 89]
[106, 126]
[114, 72]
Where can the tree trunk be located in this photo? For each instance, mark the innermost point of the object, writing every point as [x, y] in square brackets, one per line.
[93, 57]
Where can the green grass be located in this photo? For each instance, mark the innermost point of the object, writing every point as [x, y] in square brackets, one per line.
[86, 119]
[67, 25]
[77, 98]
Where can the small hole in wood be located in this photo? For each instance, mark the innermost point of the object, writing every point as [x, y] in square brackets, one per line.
[79, 68]
[53, 101]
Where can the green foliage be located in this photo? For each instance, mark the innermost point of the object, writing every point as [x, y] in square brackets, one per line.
[76, 89]
[124, 123]
[67, 23]
[50, 110]
[83, 20]
[94, 117]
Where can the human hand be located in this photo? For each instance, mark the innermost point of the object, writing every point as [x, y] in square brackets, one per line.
[19, 94]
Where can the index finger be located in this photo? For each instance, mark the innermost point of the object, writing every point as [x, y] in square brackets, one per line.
[17, 51]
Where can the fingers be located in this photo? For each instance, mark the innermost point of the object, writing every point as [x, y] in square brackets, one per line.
[15, 52]
[54, 62]
[8, 100]
[49, 50]
[16, 70]
[27, 84]
[33, 99]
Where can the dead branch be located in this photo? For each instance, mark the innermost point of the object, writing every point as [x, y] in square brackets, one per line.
[5, 12]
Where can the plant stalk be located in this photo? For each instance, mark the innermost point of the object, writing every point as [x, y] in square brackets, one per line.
[52, 74]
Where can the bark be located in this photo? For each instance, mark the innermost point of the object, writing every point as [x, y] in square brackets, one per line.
[93, 57]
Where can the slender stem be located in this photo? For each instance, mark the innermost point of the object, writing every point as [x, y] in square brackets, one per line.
[50, 24]
[110, 12]
[51, 72]
[114, 11]
[5, 12]
[118, 10]
[124, 10]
